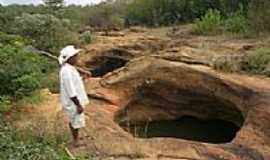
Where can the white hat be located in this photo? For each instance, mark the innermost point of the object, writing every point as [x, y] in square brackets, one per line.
[66, 53]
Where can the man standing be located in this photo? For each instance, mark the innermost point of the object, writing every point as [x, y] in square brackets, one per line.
[72, 91]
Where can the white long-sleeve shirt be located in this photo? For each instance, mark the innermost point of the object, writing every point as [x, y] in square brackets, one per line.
[71, 85]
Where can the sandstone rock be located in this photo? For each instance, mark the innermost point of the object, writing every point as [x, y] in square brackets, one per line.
[150, 88]
[162, 89]
[164, 80]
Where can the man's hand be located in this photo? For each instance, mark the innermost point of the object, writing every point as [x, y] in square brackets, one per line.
[85, 74]
[80, 109]
[77, 103]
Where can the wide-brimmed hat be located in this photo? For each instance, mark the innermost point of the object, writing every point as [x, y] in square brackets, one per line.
[66, 53]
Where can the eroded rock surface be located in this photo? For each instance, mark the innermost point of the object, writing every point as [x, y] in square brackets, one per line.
[165, 79]
[149, 89]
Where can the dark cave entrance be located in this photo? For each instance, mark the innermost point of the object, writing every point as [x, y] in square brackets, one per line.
[107, 64]
[108, 61]
[187, 127]
[163, 110]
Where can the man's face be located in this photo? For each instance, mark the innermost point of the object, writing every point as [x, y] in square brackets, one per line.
[73, 60]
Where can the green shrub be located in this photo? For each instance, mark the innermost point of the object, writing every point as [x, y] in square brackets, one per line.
[86, 37]
[5, 103]
[47, 32]
[210, 23]
[258, 62]
[237, 23]
[14, 40]
[117, 22]
[21, 72]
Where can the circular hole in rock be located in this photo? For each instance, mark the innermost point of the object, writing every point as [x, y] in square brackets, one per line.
[163, 110]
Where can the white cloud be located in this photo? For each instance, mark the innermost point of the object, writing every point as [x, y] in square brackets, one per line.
[79, 2]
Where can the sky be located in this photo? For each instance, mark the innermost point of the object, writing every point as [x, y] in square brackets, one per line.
[79, 2]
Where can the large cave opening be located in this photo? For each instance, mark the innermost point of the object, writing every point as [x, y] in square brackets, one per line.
[163, 110]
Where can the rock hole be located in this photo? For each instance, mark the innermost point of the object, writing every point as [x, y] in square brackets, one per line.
[108, 61]
[186, 127]
[106, 64]
[163, 110]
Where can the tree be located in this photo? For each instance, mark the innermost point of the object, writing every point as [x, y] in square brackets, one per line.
[47, 32]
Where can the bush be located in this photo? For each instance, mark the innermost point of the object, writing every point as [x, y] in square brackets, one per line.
[46, 31]
[14, 40]
[21, 72]
[4, 103]
[214, 23]
[86, 37]
[258, 62]
[117, 22]
[210, 23]
[237, 23]
[229, 63]
[255, 62]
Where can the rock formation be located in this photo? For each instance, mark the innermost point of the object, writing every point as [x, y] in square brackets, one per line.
[150, 88]
[151, 79]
